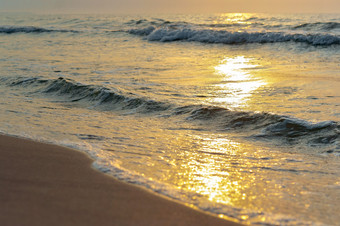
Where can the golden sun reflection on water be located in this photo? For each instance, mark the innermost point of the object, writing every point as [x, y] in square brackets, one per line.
[237, 83]
[210, 175]
[237, 17]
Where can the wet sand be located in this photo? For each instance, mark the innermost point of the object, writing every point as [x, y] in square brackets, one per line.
[43, 184]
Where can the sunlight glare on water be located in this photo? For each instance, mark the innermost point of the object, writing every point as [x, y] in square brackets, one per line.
[236, 18]
[237, 82]
[209, 177]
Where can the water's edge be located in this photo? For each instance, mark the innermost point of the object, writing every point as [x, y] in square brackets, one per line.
[95, 166]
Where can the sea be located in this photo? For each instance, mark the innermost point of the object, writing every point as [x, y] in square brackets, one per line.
[234, 114]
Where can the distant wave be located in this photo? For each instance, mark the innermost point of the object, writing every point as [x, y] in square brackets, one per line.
[166, 34]
[178, 24]
[145, 22]
[325, 26]
[258, 125]
[28, 29]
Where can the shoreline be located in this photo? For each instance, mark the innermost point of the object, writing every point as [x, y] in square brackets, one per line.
[46, 184]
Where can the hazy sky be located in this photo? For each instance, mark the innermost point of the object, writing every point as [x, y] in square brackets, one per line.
[172, 6]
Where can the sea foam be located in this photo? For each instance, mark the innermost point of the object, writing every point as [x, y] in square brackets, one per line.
[165, 34]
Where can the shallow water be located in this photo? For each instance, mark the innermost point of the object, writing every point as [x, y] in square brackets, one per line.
[235, 114]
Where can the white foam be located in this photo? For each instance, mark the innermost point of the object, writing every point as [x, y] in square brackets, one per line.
[165, 34]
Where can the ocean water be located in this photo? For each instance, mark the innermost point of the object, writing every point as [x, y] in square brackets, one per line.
[234, 114]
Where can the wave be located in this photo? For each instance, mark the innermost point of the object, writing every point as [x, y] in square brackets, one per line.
[157, 22]
[255, 125]
[231, 25]
[99, 96]
[269, 125]
[29, 29]
[323, 26]
[179, 24]
[168, 34]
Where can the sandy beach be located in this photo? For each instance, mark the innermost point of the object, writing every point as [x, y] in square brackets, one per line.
[43, 184]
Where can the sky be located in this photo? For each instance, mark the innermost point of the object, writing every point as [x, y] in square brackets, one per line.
[172, 6]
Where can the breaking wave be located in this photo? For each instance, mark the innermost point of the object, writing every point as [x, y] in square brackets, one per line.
[72, 91]
[168, 34]
[267, 126]
[257, 125]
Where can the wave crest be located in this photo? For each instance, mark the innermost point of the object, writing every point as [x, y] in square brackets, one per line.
[258, 125]
[98, 96]
[168, 34]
